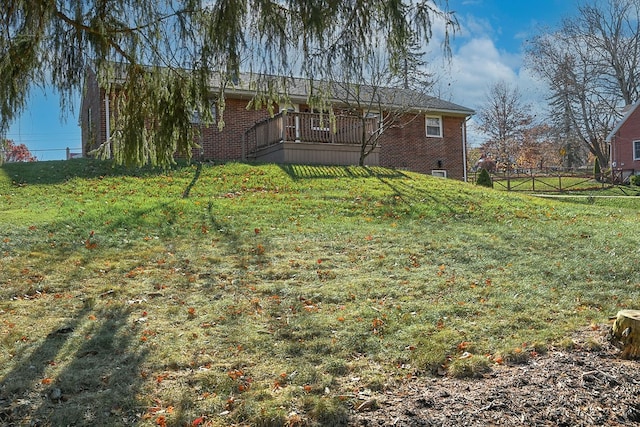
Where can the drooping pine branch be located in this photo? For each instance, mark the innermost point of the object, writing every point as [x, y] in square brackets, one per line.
[163, 55]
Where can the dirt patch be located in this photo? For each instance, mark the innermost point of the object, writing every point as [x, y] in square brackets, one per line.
[586, 386]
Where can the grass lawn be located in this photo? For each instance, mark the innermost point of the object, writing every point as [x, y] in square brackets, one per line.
[282, 295]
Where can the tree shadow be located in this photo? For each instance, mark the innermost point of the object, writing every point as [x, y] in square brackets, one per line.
[410, 193]
[58, 171]
[87, 372]
[23, 381]
[298, 172]
[185, 193]
[405, 190]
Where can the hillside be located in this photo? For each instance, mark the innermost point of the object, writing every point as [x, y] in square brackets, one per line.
[265, 295]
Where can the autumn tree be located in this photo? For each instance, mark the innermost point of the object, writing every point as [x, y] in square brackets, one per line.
[591, 67]
[504, 118]
[540, 148]
[12, 152]
[162, 55]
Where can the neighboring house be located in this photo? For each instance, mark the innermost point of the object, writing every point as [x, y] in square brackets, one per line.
[624, 145]
[428, 136]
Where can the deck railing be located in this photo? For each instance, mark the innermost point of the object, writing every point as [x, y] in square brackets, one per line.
[308, 127]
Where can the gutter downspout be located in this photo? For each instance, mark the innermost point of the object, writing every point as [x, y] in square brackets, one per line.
[107, 115]
[612, 157]
[464, 147]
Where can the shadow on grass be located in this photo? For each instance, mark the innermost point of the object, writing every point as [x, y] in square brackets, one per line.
[410, 194]
[404, 188]
[298, 172]
[86, 372]
[58, 171]
[193, 182]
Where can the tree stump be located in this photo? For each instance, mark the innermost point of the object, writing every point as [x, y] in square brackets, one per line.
[626, 330]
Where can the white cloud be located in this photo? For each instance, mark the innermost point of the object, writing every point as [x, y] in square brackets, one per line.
[476, 64]
[475, 25]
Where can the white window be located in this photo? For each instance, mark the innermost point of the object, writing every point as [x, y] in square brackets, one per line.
[291, 122]
[196, 116]
[291, 108]
[636, 150]
[434, 126]
[320, 122]
[375, 124]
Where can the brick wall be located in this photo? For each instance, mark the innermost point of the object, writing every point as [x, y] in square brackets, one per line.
[623, 141]
[92, 116]
[405, 147]
[226, 144]
[408, 147]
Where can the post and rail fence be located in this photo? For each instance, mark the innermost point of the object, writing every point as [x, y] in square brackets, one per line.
[549, 180]
[53, 153]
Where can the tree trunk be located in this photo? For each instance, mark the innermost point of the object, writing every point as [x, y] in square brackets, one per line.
[626, 331]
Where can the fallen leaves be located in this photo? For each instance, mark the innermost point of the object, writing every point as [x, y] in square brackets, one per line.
[464, 345]
[90, 242]
[377, 325]
[243, 381]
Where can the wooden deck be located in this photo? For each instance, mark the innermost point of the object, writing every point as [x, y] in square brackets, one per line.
[310, 138]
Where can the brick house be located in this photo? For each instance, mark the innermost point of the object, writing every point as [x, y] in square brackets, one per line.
[624, 145]
[427, 136]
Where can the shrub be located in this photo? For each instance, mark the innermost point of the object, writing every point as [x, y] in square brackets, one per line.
[635, 179]
[484, 179]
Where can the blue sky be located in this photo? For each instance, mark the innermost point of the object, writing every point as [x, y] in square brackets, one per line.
[42, 129]
[509, 22]
[489, 45]
[487, 49]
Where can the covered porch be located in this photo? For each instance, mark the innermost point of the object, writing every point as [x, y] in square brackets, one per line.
[310, 138]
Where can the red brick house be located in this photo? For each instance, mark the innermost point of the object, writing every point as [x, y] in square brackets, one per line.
[624, 145]
[429, 136]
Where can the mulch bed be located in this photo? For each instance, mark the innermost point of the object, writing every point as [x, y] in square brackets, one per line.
[580, 387]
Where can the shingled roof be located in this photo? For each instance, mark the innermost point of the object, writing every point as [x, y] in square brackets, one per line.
[299, 91]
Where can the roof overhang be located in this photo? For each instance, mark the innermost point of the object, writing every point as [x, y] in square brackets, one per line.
[621, 123]
[297, 90]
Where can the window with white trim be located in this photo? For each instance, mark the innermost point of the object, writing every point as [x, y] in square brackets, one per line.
[375, 125]
[636, 150]
[292, 127]
[197, 116]
[320, 121]
[433, 125]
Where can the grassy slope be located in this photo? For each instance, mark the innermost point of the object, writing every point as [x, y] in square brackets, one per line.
[281, 294]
